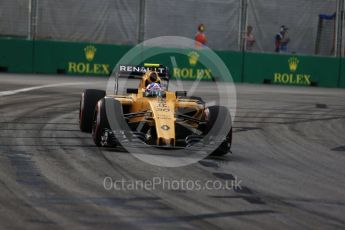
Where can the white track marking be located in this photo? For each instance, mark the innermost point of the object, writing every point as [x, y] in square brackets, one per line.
[13, 92]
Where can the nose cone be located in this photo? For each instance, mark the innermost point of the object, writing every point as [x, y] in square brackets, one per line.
[164, 116]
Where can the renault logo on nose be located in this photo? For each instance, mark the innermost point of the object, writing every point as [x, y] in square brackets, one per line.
[165, 127]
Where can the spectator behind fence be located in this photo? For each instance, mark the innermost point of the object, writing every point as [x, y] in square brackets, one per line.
[200, 37]
[281, 40]
[249, 38]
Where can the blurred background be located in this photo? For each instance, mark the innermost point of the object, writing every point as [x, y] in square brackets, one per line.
[316, 27]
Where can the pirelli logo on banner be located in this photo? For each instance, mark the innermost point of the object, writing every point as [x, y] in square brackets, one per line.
[293, 78]
[88, 67]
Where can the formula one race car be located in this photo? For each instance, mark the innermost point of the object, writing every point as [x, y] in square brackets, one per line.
[152, 113]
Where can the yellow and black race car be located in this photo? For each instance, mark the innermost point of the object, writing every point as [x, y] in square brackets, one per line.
[152, 114]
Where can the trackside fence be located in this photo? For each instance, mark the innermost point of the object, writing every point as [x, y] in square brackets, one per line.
[316, 27]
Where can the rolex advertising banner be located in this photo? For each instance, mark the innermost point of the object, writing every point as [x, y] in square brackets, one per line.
[291, 70]
[76, 58]
[95, 59]
[89, 59]
[196, 64]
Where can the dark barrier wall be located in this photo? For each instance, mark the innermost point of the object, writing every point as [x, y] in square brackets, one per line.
[52, 57]
[291, 70]
[234, 62]
[342, 74]
[16, 55]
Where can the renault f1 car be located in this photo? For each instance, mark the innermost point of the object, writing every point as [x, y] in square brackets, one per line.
[153, 114]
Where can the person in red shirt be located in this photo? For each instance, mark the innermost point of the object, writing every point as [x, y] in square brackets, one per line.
[200, 37]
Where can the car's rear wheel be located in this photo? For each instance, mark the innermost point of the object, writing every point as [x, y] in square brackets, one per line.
[217, 118]
[88, 101]
[100, 123]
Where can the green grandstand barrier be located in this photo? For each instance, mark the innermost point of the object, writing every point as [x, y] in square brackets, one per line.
[291, 70]
[234, 62]
[74, 58]
[53, 57]
[15, 55]
[342, 74]
[192, 64]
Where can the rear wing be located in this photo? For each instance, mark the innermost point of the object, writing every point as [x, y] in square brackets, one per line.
[130, 71]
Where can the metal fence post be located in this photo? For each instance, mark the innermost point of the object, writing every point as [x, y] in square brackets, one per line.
[341, 39]
[342, 33]
[339, 28]
[141, 24]
[242, 29]
[242, 23]
[29, 20]
[33, 14]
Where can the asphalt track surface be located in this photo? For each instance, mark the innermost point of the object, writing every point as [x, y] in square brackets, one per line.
[288, 153]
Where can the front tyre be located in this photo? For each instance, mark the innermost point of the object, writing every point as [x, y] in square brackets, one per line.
[217, 118]
[88, 101]
[100, 124]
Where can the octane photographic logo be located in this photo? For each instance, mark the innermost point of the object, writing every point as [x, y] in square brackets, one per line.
[221, 92]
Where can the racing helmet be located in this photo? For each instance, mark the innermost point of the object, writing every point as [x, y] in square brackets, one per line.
[152, 78]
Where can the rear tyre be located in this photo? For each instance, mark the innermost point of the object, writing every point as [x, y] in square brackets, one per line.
[88, 101]
[219, 117]
[100, 123]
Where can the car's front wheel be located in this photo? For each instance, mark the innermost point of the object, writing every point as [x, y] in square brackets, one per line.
[88, 101]
[99, 124]
[219, 119]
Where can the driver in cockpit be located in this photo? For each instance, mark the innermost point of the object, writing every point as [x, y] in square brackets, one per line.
[154, 88]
